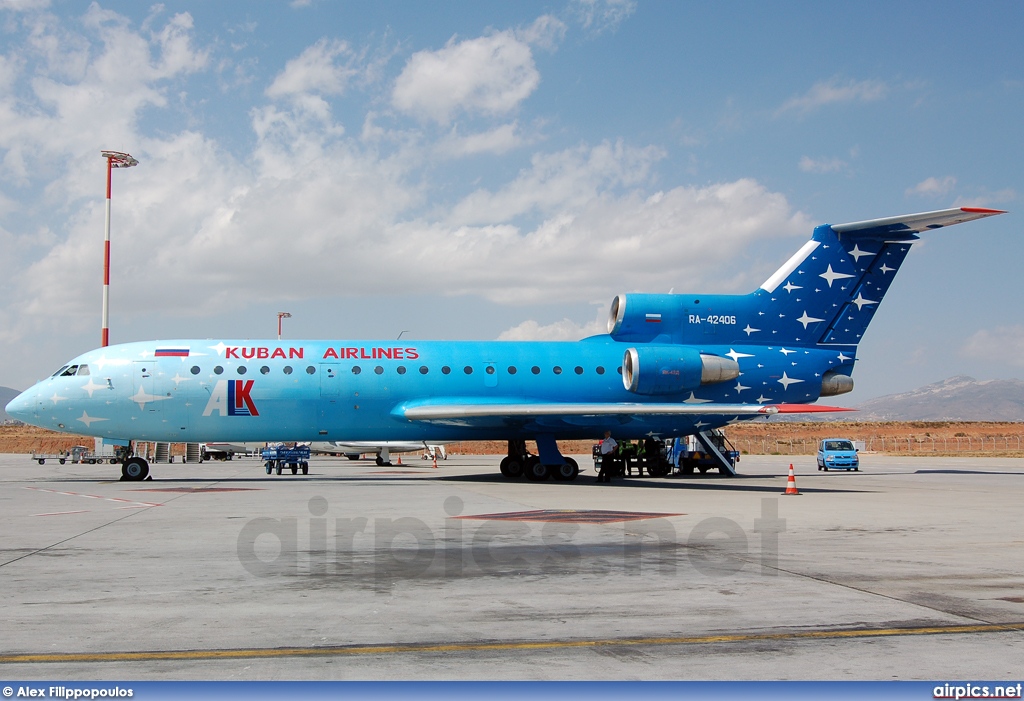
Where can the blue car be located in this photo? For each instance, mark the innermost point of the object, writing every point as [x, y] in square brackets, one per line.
[837, 454]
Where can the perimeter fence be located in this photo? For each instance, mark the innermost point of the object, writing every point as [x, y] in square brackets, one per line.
[928, 445]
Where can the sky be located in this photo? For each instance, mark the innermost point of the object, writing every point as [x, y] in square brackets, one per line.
[468, 170]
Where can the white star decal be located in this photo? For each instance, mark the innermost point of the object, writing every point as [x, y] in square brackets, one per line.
[88, 420]
[831, 276]
[736, 356]
[141, 398]
[762, 399]
[787, 381]
[695, 400]
[789, 287]
[56, 398]
[860, 301]
[739, 388]
[843, 358]
[885, 268]
[219, 348]
[858, 254]
[749, 330]
[91, 386]
[178, 378]
[786, 352]
[700, 424]
[805, 320]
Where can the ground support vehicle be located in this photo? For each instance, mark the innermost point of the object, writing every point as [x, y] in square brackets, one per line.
[704, 451]
[655, 462]
[838, 454]
[41, 458]
[280, 457]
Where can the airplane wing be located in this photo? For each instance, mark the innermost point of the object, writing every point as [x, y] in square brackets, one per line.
[909, 224]
[468, 413]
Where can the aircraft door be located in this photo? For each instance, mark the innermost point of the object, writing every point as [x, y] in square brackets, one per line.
[330, 396]
[144, 374]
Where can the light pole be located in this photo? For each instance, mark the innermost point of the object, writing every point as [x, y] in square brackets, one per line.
[115, 159]
[281, 315]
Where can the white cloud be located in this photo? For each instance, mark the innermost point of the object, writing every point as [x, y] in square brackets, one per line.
[930, 187]
[499, 140]
[599, 16]
[834, 91]
[564, 330]
[1001, 344]
[546, 32]
[821, 165]
[315, 71]
[489, 75]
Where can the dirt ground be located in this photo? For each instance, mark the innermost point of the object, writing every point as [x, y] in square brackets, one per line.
[788, 438]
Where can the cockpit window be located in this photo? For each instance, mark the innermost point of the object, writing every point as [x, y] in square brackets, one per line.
[59, 372]
[83, 370]
[70, 372]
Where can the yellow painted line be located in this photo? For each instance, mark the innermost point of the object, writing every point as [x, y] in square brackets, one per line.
[155, 655]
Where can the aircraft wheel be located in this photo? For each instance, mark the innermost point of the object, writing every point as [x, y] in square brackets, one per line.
[351, 457]
[513, 468]
[269, 467]
[134, 469]
[536, 471]
[380, 461]
[41, 461]
[567, 471]
[61, 461]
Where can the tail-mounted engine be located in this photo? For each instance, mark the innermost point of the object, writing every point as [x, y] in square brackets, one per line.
[673, 369]
[641, 318]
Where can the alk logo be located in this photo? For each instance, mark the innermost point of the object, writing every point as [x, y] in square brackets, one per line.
[231, 398]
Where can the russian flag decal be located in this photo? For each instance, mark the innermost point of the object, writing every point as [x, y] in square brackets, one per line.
[171, 352]
[653, 318]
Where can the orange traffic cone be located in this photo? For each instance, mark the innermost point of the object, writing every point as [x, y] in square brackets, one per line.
[791, 482]
[435, 459]
[399, 459]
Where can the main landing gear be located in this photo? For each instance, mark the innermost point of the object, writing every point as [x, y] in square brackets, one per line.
[134, 470]
[550, 464]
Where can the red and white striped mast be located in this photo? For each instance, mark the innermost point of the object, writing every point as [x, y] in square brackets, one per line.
[115, 159]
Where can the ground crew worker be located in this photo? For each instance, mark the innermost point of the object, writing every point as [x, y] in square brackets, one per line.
[608, 446]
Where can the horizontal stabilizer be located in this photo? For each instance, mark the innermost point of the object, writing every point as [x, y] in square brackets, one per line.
[808, 408]
[896, 227]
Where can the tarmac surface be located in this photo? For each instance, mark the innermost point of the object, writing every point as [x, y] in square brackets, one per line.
[912, 568]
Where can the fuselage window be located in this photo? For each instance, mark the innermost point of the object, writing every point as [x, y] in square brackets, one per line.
[424, 369]
[401, 369]
[70, 372]
[579, 370]
[83, 370]
[218, 370]
[619, 369]
[379, 370]
[264, 370]
[242, 369]
[489, 370]
[356, 369]
[511, 369]
[535, 370]
[446, 370]
[287, 369]
[468, 369]
[600, 370]
[310, 369]
[557, 370]
[195, 370]
[59, 372]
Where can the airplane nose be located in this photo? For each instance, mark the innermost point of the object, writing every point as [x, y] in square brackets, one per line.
[22, 407]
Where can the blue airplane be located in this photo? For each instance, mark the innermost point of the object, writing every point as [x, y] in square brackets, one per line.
[670, 365]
